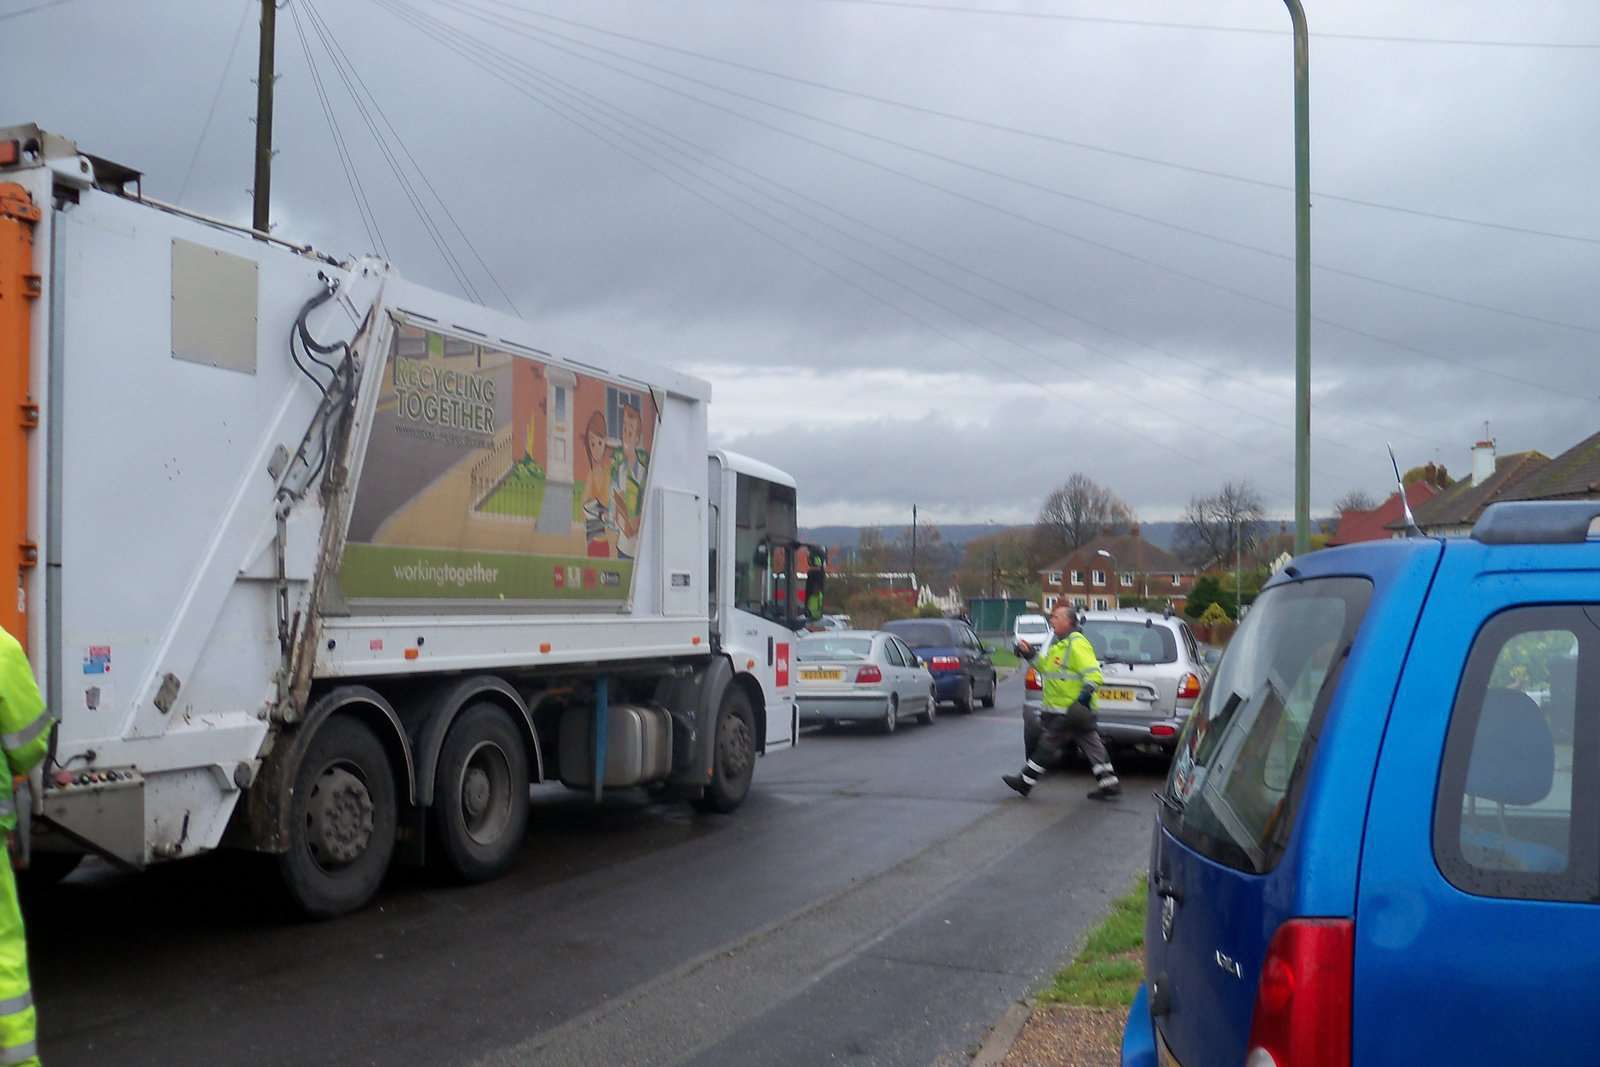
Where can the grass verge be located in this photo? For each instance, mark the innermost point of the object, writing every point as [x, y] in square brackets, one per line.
[1004, 658]
[1107, 971]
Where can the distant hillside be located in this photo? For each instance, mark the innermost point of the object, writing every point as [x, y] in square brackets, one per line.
[1160, 534]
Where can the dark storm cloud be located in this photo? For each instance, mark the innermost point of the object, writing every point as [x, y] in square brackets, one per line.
[1160, 384]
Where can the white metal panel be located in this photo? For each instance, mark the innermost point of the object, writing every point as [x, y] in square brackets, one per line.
[378, 646]
[165, 487]
[683, 552]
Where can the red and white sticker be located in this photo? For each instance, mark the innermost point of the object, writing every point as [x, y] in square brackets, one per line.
[783, 666]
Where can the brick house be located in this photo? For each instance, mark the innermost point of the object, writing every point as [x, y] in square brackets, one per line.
[1107, 569]
[1493, 478]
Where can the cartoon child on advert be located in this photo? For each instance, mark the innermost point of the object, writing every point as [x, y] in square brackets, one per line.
[598, 521]
[627, 483]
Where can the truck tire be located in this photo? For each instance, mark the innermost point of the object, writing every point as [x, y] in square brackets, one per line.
[343, 816]
[480, 807]
[734, 759]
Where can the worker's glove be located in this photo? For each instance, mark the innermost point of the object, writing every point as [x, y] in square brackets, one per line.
[1086, 695]
[1023, 649]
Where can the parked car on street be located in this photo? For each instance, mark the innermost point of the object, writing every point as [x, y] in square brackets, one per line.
[861, 676]
[1153, 673]
[1034, 629]
[962, 671]
[1379, 841]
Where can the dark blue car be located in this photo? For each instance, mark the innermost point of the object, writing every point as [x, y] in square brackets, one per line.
[1379, 842]
[960, 665]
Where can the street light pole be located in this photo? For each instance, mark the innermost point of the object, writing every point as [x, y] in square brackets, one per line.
[1302, 282]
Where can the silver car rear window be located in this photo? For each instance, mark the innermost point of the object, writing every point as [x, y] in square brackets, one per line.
[820, 647]
[1131, 642]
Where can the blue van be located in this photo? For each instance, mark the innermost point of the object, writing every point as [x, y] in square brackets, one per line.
[1379, 842]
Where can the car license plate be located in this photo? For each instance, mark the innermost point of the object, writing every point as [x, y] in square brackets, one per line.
[821, 674]
[1164, 1056]
[1121, 696]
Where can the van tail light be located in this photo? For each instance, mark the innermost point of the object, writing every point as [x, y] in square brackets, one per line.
[869, 673]
[1163, 730]
[1189, 688]
[1032, 681]
[1302, 1014]
[944, 663]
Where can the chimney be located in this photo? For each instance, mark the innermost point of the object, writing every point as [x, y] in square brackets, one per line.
[1482, 461]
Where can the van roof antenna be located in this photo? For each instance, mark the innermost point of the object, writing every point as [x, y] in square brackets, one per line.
[1405, 505]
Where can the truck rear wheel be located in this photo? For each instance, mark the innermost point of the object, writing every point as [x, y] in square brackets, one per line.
[342, 820]
[734, 760]
[480, 795]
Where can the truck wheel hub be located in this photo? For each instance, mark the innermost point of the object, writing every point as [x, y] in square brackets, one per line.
[736, 746]
[475, 793]
[339, 818]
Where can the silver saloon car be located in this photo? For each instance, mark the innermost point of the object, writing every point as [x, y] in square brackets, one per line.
[863, 676]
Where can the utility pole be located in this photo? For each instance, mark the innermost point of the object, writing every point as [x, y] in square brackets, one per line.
[914, 550]
[261, 193]
[1238, 553]
[1302, 282]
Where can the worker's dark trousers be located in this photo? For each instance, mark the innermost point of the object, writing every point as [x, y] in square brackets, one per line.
[1057, 730]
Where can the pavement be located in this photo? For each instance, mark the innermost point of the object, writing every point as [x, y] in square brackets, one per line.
[876, 901]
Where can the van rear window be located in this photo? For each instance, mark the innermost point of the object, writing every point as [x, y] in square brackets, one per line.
[1232, 790]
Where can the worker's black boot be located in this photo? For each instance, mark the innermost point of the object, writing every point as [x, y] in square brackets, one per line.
[1019, 783]
[1109, 788]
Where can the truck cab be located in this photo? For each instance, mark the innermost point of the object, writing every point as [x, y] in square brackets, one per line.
[757, 599]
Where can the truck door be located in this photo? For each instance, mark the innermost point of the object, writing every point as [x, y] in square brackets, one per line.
[758, 635]
[1480, 870]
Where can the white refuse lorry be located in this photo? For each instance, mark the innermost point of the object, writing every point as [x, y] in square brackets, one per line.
[319, 562]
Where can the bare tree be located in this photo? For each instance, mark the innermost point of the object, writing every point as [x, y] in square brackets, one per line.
[1215, 526]
[1354, 500]
[1078, 512]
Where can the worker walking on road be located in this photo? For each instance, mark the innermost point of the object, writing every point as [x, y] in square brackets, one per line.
[1070, 671]
[24, 739]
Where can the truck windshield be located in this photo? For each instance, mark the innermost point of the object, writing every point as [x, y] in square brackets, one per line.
[1231, 793]
[764, 535]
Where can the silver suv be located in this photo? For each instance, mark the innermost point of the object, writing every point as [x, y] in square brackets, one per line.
[1153, 670]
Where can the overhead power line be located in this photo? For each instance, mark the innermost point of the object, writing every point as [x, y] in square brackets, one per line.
[424, 216]
[369, 221]
[701, 154]
[435, 231]
[1046, 137]
[442, 33]
[1209, 27]
[541, 36]
[6, 16]
[222, 80]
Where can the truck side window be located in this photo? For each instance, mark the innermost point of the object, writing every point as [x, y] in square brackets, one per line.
[1518, 813]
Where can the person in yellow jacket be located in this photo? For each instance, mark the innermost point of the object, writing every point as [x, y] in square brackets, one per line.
[1070, 671]
[24, 738]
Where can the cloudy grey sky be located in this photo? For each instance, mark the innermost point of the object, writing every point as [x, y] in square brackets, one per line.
[900, 307]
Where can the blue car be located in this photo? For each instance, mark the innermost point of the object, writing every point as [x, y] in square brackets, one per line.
[960, 665]
[1379, 841]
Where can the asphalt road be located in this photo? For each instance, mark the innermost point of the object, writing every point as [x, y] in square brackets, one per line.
[877, 900]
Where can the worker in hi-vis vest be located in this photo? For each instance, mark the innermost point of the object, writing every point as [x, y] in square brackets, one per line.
[1069, 671]
[24, 737]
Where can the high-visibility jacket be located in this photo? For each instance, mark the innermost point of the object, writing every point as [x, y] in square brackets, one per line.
[24, 738]
[1066, 665]
[24, 723]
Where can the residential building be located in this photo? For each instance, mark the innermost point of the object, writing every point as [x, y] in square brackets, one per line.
[1374, 523]
[1108, 570]
[1573, 475]
[1452, 512]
